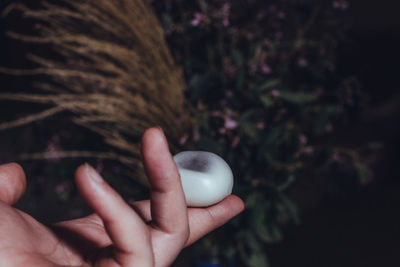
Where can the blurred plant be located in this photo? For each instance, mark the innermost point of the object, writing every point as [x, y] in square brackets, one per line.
[262, 77]
[110, 69]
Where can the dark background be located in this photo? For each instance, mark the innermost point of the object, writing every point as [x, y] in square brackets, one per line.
[360, 229]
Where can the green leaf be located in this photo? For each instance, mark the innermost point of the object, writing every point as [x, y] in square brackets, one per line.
[252, 199]
[268, 232]
[240, 79]
[363, 172]
[251, 250]
[238, 58]
[199, 84]
[246, 125]
[273, 135]
[266, 101]
[247, 115]
[298, 98]
[289, 181]
[167, 20]
[257, 259]
[323, 117]
[290, 207]
[268, 85]
[208, 144]
[265, 229]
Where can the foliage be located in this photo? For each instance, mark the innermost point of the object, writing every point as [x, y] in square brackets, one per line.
[262, 77]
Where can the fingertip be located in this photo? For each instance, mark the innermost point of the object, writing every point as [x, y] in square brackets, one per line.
[228, 208]
[13, 168]
[81, 178]
[158, 161]
[12, 182]
[205, 220]
[80, 172]
[120, 221]
[153, 136]
[236, 203]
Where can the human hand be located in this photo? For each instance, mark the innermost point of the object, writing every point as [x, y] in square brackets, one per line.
[147, 233]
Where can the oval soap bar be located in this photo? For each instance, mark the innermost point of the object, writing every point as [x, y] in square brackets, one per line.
[206, 177]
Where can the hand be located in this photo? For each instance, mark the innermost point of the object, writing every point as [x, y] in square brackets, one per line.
[147, 233]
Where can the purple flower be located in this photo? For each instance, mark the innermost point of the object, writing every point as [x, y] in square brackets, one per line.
[265, 69]
[52, 152]
[335, 156]
[225, 9]
[253, 68]
[61, 188]
[228, 93]
[308, 150]
[303, 139]
[340, 4]
[235, 141]
[266, 43]
[223, 14]
[196, 134]
[250, 36]
[200, 105]
[275, 93]
[99, 166]
[222, 130]
[260, 15]
[230, 124]
[183, 139]
[225, 22]
[302, 62]
[260, 125]
[216, 113]
[336, 4]
[198, 18]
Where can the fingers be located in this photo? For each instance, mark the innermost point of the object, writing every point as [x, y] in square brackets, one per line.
[12, 183]
[168, 204]
[204, 220]
[126, 229]
[201, 220]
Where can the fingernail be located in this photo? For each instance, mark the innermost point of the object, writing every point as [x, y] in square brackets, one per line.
[93, 174]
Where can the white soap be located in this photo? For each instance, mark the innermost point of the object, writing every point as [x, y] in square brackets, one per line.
[206, 177]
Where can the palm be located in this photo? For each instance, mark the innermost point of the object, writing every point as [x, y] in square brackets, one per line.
[147, 233]
[26, 242]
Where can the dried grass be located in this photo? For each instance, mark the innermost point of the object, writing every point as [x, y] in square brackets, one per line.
[116, 75]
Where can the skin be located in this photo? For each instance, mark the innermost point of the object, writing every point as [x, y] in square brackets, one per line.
[144, 233]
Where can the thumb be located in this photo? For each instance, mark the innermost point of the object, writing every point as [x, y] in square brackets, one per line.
[12, 183]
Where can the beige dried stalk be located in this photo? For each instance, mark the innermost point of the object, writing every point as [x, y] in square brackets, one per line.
[117, 76]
